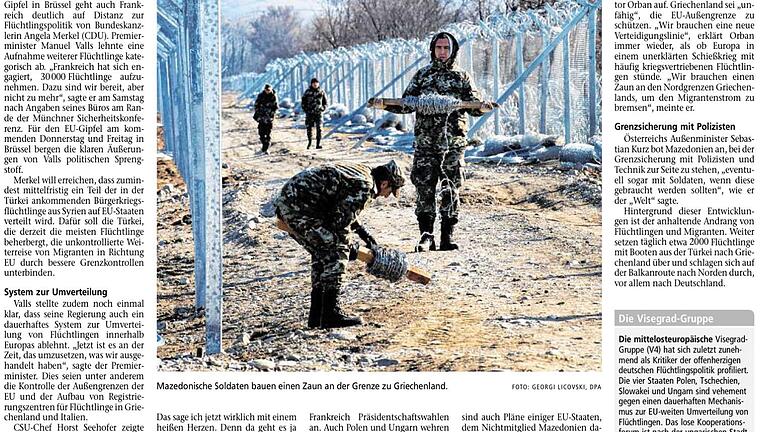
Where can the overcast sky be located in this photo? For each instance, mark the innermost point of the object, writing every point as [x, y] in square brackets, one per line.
[235, 9]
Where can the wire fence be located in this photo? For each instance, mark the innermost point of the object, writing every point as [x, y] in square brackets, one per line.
[541, 66]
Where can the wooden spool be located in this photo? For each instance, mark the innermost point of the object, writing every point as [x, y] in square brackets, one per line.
[365, 255]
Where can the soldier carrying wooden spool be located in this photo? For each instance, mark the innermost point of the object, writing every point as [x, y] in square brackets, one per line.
[319, 208]
[441, 94]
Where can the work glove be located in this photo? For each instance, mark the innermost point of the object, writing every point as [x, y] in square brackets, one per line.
[487, 107]
[365, 236]
[377, 103]
[353, 249]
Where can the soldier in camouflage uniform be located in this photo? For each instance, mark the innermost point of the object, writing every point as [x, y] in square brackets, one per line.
[321, 206]
[264, 113]
[438, 160]
[314, 102]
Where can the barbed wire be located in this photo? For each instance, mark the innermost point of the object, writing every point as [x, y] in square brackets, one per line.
[501, 26]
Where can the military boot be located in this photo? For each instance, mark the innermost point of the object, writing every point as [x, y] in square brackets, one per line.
[318, 141]
[332, 315]
[446, 234]
[315, 307]
[426, 228]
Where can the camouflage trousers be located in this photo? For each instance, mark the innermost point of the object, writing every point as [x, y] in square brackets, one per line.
[265, 133]
[329, 250]
[314, 121]
[438, 172]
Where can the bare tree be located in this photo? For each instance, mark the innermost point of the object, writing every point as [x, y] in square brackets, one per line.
[350, 22]
[333, 27]
[237, 53]
[275, 33]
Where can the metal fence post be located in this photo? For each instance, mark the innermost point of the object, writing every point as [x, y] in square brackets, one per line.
[211, 89]
[352, 86]
[592, 41]
[495, 69]
[470, 70]
[567, 87]
[520, 66]
[544, 85]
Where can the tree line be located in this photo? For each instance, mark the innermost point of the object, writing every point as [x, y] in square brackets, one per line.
[249, 44]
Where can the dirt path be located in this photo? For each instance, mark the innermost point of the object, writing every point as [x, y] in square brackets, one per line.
[523, 293]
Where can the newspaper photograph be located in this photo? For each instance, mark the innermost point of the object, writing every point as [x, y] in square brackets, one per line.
[415, 189]
[449, 234]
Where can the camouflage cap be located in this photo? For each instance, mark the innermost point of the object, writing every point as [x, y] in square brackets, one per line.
[397, 179]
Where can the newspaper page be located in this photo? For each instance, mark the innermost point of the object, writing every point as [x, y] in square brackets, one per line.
[367, 216]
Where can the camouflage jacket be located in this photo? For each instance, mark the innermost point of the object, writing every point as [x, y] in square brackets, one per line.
[265, 106]
[331, 194]
[442, 78]
[314, 101]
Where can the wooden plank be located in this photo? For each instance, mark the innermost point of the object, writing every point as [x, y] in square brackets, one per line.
[419, 275]
[399, 102]
[281, 225]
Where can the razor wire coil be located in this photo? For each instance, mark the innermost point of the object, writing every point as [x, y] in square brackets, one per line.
[389, 264]
[431, 104]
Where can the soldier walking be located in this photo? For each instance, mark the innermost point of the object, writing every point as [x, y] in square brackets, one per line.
[264, 113]
[321, 205]
[438, 160]
[314, 102]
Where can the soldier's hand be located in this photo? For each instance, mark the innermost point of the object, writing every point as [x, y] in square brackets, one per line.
[486, 107]
[353, 249]
[365, 236]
